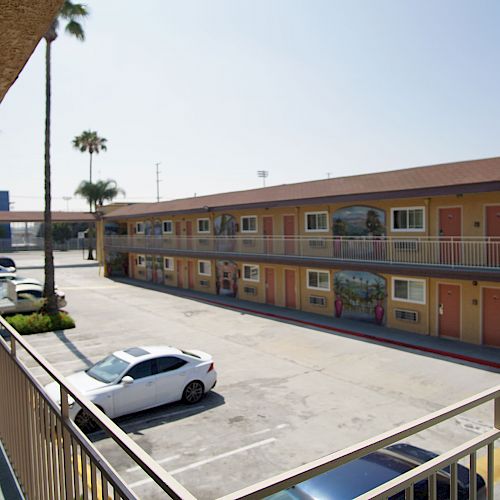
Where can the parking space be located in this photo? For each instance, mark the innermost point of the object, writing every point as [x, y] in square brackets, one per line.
[285, 395]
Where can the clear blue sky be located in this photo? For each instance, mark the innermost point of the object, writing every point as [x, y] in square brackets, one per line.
[216, 90]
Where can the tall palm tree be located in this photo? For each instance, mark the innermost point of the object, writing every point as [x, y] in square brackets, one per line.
[70, 13]
[91, 142]
[96, 194]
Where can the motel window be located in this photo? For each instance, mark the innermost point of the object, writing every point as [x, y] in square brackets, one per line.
[408, 290]
[141, 260]
[139, 227]
[167, 226]
[318, 280]
[408, 219]
[204, 268]
[316, 221]
[203, 225]
[168, 263]
[249, 224]
[251, 272]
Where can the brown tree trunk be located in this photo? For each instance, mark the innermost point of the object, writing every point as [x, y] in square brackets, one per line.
[48, 292]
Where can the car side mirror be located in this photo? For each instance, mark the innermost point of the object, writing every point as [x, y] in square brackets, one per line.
[127, 380]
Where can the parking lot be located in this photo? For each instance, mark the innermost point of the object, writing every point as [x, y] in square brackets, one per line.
[285, 395]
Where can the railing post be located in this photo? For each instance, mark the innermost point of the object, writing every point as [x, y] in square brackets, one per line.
[68, 466]
[496, 419]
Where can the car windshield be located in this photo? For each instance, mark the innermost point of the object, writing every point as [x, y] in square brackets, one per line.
[108, 369]
[6, 262]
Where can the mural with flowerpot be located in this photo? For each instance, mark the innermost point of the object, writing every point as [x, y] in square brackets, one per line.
[226, 278]
[360, 295]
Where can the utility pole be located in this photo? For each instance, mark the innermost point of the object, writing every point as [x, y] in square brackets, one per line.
[157, 182]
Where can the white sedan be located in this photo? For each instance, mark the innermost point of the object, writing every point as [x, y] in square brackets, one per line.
[139, 378]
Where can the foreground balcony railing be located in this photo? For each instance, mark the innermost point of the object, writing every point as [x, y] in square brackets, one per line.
[425, 251]
[52, 459]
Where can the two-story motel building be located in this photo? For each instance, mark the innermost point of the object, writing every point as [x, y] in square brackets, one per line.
[415, 249]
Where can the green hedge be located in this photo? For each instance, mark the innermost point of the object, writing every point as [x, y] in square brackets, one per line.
[40, 322]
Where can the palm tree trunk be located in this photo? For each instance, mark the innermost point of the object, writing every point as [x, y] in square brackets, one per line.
[48, 292]
[90, 176]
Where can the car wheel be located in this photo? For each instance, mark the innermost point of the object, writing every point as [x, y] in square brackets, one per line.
[193, 392]
[86, 422]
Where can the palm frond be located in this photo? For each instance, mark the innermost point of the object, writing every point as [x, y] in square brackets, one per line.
[74, 28]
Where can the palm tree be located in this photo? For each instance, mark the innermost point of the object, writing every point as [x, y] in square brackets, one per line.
[96, 194]
[91, 142]
[69, 13]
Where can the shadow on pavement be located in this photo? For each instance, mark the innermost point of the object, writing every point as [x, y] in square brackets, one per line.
[135, 423]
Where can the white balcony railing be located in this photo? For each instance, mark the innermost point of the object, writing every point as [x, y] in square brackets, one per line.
[424, 251]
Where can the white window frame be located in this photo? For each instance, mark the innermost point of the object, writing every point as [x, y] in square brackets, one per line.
[198, 225]
[171, 260]
[408, 280]
[163, 222]
[139, 258]
[408, 229]
[137, 227]
[254, 217]
[307, 230]
[250, 266]
[209, 264]
[309, 271]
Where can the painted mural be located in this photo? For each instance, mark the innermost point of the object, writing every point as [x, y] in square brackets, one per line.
[358, 221]
[117, 264]
[360, 295]
[224, 229]
[227, 278]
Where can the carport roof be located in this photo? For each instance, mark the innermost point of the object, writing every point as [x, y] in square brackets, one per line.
[38, 217]
[461, 177]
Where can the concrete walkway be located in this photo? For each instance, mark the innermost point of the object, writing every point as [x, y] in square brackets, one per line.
[487, 358]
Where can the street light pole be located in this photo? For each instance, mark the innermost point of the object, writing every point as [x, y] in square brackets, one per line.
[263, 174]
[66, 199]
[157, 182]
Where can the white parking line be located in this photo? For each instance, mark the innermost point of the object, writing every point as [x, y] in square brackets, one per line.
[281, 426]
[162, 461]
[208, 460]
[263, 431]
[164, 416]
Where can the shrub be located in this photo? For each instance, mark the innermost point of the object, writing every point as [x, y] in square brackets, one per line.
[41, 322]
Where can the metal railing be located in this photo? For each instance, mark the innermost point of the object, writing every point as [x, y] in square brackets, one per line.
[51, 457]
[405, 482]
[421, 251]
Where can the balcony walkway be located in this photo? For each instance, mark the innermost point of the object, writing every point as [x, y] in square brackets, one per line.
[487, 358]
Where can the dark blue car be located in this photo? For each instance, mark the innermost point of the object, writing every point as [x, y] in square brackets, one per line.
[360, 476]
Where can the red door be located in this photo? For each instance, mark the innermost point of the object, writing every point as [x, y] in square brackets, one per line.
[189, 233]
[269, 286]
[491, 316]
[268, 233]
[290, 294]
[289, 232]
[190, 274]
[178, 232]
[180, 274]
[493, 233]
[450, 227]
[449, 310]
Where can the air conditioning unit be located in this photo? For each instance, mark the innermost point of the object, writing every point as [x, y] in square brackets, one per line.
[316, 300]
[249, 242]
[406, 245]
[205, 283]
[317, 243]
[404, 315]
[249, 290]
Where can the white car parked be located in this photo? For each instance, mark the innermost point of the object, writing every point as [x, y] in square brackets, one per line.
[139, 378]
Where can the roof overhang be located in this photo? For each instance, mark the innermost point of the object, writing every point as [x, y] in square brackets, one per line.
[7, 217]
[22, 25]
